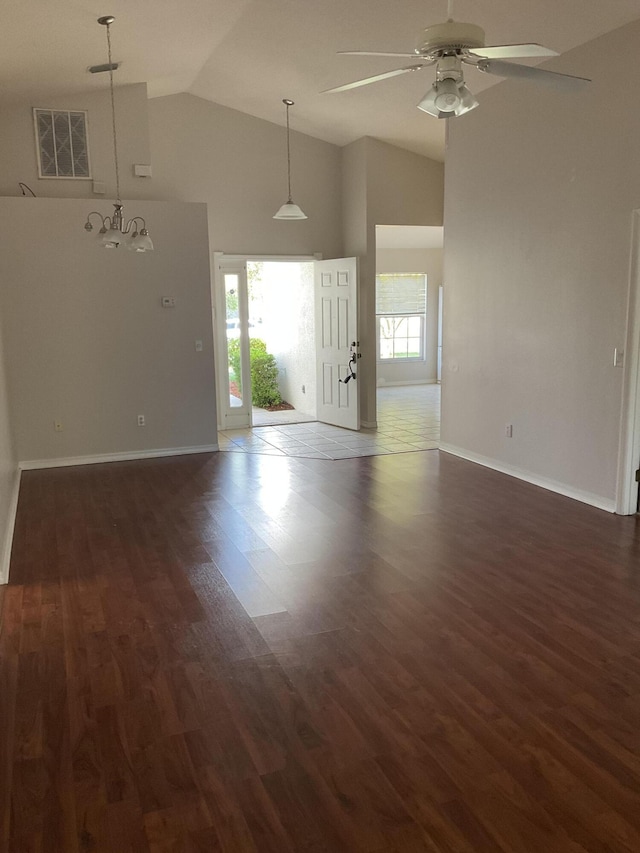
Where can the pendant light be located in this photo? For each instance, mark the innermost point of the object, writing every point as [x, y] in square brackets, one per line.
[114, 230]
[289, 210]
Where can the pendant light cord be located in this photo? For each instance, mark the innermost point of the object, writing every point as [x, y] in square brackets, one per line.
[113, 116]
[288, 155]
[450, 10]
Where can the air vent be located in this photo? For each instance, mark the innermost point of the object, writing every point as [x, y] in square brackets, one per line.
[62, 144]
[106, 66]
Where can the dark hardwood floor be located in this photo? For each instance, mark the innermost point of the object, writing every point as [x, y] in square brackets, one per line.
[233, 652]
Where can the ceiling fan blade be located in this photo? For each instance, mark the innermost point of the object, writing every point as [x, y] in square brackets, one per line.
[562, 82]
[373, 53]
[374, 79]
[513, 51]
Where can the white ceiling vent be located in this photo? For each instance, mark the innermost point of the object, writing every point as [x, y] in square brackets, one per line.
[62, 143]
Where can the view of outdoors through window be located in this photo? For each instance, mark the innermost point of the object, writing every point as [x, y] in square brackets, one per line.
[401, 307]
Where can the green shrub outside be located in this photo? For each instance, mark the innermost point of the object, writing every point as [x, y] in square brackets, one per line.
[264, 372]
[264, 381]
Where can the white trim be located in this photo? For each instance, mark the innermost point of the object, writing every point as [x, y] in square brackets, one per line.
[520, 474]
[222, 256]
[629, 440]
[383, 383]
[64, 462]
[5, 555]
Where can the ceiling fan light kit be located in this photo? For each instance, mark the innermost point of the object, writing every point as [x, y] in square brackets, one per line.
[114, 230]
[448, 46]
[449, 95]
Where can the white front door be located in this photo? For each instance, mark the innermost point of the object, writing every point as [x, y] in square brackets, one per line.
[337, 346]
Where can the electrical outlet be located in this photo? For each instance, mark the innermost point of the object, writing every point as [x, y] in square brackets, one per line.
[168, 302]
[618, 357]
[57, 425]
[508, 430]
[141, 420]
[198, 346]
[304, 390]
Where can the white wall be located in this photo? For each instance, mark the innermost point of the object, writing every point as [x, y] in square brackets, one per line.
[8, 476]
[427, 261]
[18, 157]
[540, 189]
[87, 341]
[289, 330]
[237, 165]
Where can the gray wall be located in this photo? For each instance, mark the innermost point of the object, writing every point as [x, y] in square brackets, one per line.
[540, 189]
[87, 341]
[18, 159]
[237, 164]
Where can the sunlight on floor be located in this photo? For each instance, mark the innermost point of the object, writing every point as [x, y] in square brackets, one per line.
[408, 420]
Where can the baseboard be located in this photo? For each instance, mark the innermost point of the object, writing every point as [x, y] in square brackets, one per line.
[369, 424]
[33, 464]
[521, 474]
[5, 554]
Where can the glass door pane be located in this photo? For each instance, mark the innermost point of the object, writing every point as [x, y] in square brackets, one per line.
[234, 348]
[232, 362]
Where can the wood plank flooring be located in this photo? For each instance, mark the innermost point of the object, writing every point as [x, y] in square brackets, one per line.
[232, 652]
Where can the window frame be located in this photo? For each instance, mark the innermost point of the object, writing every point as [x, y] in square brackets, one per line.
[400, 314]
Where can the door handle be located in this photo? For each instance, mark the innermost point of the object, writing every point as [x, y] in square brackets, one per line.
[351, 374]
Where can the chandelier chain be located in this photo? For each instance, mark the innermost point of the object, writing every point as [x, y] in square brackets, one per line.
[113, 116]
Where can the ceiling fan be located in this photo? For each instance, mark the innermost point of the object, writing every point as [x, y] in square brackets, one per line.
[448, 46]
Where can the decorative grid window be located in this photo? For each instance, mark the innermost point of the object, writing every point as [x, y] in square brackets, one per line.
[62, 144]
[401, 308]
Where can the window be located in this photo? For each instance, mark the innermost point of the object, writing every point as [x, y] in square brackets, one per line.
[61, 141]
[401, 307]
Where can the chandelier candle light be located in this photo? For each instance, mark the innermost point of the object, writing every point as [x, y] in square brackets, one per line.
[114, 231]
[289, 210]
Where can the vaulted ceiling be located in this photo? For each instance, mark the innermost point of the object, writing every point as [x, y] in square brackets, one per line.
[249, 54]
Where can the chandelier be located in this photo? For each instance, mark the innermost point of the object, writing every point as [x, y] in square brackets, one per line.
[115, 230]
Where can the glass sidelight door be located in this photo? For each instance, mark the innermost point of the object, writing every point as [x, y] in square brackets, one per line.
[234, 397]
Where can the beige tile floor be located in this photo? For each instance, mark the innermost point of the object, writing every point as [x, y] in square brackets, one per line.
[408, 419]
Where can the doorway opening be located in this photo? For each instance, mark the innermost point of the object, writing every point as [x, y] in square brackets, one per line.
[409, 309]
[287, 327]
[266, 352]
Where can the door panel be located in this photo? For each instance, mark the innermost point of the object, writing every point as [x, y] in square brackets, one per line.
[336, 340]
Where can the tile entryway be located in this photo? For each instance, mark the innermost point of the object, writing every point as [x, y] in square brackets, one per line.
[408, 419]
